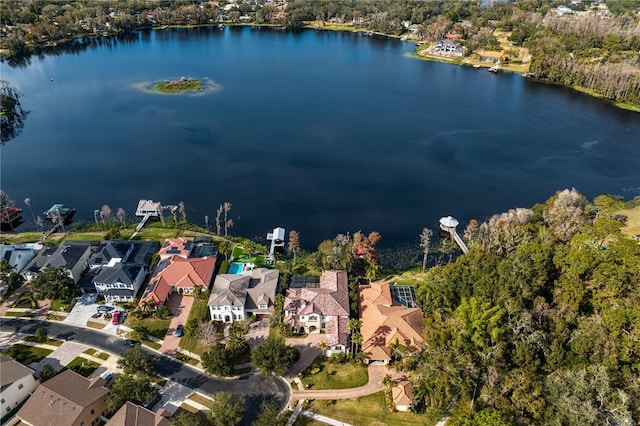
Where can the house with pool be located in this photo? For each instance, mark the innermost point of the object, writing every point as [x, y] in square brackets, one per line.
[236, 297]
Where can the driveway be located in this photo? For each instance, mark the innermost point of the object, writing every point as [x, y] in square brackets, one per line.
[258, 332]
[83, 310]
[179, 306]
[309, 349]
[173, 395]
[62, 356]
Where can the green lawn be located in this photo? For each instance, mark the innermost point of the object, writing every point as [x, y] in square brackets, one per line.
[334, 376]
[186, 358]
[199, 311]
[19, 314]
[96, 353]
[200, 399]
[27, 354]
[632, 226]
[60, 305]
[366, 411]
[25, 300]
[82, 366]
[52, 342]
[153, 345]
[157, 327]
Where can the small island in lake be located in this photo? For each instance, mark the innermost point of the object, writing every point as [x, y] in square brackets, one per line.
[178, 86]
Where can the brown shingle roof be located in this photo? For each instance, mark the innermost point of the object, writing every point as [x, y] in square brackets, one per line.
[383, 321]
[134, 415]
[60, 400]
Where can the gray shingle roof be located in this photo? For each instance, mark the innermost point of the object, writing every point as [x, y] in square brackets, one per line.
[12, 371]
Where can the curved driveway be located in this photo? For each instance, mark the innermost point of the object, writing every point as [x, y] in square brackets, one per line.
[254, 389]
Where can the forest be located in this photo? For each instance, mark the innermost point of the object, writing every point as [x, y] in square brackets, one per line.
[595, 49]
[538, 324]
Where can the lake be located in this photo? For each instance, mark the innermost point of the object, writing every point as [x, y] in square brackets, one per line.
[321, 132]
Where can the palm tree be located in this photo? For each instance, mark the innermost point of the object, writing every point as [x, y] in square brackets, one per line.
[388, 382]
[227, 208]
[356, 339]
[96, 213]
[27, 201]
[425, 241]
[354, 327]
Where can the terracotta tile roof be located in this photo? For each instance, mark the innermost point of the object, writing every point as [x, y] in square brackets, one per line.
[178, 272]
[60, 400]
[181, 246]
[384, 320]
[401, 393]
[134, 415]
[330, 299]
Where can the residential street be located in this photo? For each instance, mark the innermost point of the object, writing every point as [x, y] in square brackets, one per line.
[254, 389]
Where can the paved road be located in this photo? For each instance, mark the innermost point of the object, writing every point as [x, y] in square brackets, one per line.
[254, 389]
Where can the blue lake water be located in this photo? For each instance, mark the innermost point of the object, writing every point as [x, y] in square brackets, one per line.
[321, 132]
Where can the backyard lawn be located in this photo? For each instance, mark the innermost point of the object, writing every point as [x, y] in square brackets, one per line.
[365, 411]
[323, 375]
[632, 226]
[27, 354]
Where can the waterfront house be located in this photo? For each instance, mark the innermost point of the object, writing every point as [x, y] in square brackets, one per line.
[73, 256]
[120, 283]
[181, 247]
[16, 384]
[487, 56]
[67, 399]
[111, 252]
[388, 314]
[237, 296]
[324, 308]
[18, 255]
[178, 275]
[448, 47]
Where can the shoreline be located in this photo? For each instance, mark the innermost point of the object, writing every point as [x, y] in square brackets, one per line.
[315, 25]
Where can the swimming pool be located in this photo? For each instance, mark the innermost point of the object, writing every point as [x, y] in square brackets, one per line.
[236, 268]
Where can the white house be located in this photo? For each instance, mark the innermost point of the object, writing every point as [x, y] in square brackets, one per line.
[16, 384]
[237, 296]
[120, 283]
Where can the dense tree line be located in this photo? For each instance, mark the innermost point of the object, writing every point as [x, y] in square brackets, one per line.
[538, 324]
[599, 53]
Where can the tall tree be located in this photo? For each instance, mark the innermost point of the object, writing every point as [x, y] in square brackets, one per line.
[218, 223]
[138, 362]
[53, 283]
[226, 409]
[217, 361]
[273, 356]
[125, 388]
[294, 244]
[105, 213]
[122, 216]
[27, 201]
[269, 415]
[425, 242]
[183, 211]
[227, 208]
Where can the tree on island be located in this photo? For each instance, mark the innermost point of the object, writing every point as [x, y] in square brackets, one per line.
[273, 356]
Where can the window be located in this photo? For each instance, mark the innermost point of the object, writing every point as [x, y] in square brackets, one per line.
[20, 386]
[2, 402]
[8, 409]
[93, 411]
[263, 306]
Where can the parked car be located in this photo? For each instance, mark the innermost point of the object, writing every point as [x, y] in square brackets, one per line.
[104, 308]
[115, 319]
[179, 330]
[130, 342]
[106, 376]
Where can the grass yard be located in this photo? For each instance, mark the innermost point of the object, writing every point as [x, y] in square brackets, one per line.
[199, 311]
[61, 305]
[27, 354]
[156, 327]
[306, 421]
[200, 399]
[334, 376]
[26, 300]
[95, 324]
[96, 353]
[632, 227]
[186, 358]
[52, 342]
[366, 411]
[19, 314]
[153, 345]
[82, 366]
